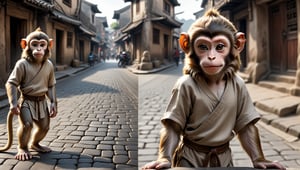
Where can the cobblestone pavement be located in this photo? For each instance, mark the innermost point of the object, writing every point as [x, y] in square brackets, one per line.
[154, 93]
[96, 126]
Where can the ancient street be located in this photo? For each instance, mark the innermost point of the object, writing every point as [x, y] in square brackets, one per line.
[96, 125]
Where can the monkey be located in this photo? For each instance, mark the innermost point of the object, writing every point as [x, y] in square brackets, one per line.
[210, 103]
[33, 77]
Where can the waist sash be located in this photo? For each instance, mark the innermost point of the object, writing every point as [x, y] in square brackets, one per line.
[211, 157]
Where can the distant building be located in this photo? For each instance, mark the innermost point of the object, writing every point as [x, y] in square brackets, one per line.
[123, 17]
[102, 36]
[87, 31]
[152, 30]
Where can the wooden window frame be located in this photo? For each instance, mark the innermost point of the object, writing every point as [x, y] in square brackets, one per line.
[69, 39]
[167, 8]
[156, 36]
[68, 2]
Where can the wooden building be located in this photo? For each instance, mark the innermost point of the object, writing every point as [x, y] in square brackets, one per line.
[151, 29]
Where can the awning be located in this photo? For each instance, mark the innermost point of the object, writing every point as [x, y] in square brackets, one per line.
[122, 37]
[132, 26]
[86, 31]
[62, 17]
[95, 40]
[167, 21]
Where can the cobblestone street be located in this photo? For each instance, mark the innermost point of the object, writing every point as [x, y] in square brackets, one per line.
[96, 125]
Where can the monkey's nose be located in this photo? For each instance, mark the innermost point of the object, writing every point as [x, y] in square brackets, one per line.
[211, 57]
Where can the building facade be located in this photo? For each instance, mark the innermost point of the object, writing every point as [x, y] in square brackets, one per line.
[152, 29]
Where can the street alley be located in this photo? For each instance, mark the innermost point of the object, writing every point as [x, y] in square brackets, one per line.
[96, 125]
[154, 93]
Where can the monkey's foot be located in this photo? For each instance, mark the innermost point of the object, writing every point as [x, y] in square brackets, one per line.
[40, 148]
[23, 155]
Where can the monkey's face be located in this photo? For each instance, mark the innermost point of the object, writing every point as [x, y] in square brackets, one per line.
[38, 48]
[212, 53]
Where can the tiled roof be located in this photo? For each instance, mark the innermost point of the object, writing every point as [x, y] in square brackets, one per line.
[40, 3]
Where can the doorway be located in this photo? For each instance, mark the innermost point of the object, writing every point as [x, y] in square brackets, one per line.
[283, 37]
[17, 32]
[59, 45]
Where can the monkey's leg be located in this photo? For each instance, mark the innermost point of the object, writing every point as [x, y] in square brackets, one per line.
[24, 132]
[39, 134]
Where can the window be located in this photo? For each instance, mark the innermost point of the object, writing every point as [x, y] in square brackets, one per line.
[137, 6]
[167, 8]
[69, 39]
[155, 36]
[68, 2]
[291, 16]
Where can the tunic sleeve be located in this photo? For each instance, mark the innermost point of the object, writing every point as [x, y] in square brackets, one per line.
[246, 112]
[18, 73]
[179, 105]
[52, 79]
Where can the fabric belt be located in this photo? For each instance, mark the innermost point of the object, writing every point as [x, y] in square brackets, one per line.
[211, 157]
[34, 98]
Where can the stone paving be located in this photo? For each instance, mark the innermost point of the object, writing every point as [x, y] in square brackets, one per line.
[96, 126]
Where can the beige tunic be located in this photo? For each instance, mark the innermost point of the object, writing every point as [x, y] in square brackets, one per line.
[33, 80]
[205, 119]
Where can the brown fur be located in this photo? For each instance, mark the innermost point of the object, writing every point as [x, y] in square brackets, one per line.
[211, 24]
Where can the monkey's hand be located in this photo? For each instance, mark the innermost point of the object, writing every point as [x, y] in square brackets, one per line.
[158, 164]
[266, 164]
[53, 110]
[169, 138]
[250, 141]
[15, 110]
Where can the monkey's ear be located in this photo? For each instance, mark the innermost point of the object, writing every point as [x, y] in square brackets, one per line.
[23, 43]
[51, 43]
[240, 41]
[184, 42]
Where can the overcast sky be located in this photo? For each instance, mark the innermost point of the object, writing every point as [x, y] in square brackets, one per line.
[107, 7]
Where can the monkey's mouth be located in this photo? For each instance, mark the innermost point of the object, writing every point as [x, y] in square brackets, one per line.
[212, 68]
[38, 54]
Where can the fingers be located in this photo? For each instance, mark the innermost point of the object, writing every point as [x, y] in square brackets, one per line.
[53, 110]
[53, 113]
[266, 165]
[15, 110]
[275, 165]
[163, 165]
[157, 165]
[150, 165]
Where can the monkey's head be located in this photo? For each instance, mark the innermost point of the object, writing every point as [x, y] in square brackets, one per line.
[212, 46]
[36, 46]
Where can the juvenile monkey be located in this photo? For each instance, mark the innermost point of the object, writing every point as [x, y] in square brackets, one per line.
[33, 76]
[210, 104]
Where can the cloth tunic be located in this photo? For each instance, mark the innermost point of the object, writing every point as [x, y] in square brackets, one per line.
[33, 80]
[207, 120]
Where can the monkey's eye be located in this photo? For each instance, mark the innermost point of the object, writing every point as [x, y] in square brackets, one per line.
[43, 45]
[34, 44]
[202, 47]
[220, 47]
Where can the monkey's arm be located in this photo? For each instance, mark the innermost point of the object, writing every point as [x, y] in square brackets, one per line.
[250, 141]
[169, 138]
[12, 94]
[51, 94]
